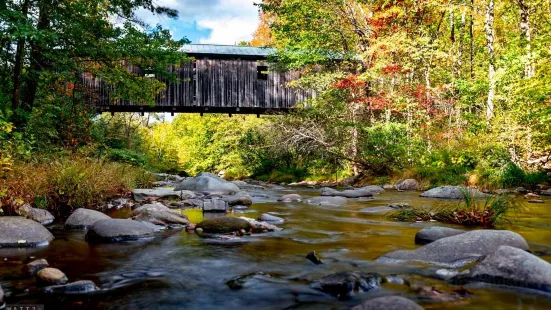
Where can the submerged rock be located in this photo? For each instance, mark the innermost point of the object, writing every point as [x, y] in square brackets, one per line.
[19, 232]
[546, 192]
[387, 208]
[159, 214]
[141, 195]
[51, 276]
[223, 225]
[344, 285]
[239, 200]
[207, 182]
[327, 201]
[433, 233]
[374, 189]
[84, 218]
[35, 266]
[536, 201]
[453, 192]
[74, 288]
[458, 250]
[313, 257]
[38, 215]
[271, 219]
[388, 303]
[259, 227]
[1, 297]
[290, 198]
[510, 266]
[117, 230]
[407, 185]
[349, 193]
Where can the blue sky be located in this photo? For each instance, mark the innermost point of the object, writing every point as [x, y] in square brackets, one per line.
[209, 21]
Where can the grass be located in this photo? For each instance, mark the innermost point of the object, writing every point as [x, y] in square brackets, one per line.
[66, 183]
[486, 213]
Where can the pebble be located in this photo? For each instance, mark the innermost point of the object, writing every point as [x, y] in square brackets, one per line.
[51, 276]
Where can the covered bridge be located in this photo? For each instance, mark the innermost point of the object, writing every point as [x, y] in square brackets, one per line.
[220, 79]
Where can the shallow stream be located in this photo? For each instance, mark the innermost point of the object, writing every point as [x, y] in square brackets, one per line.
[180, 270]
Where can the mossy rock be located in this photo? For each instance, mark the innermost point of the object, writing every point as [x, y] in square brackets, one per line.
[223, 225]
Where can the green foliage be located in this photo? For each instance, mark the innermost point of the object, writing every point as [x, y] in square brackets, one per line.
[127, 156]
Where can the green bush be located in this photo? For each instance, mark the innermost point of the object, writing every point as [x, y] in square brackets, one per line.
[127, 156]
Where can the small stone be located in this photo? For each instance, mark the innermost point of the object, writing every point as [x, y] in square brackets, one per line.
[215, 205]
[344, 285]
[74, 288]
[532, 196]
[35, 266]
[290, 198]
[536, 201]
[51, 276]
[271, 219]
[388, 303]
[313, 257]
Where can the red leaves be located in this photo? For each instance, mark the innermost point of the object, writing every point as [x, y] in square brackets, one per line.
[350, 82]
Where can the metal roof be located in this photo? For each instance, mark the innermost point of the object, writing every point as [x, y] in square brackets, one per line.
[236, 50]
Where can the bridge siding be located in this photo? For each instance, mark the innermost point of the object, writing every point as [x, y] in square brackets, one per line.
[223, 84]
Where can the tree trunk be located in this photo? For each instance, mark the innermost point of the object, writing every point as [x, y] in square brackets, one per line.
[18, 65]
[526, 37]
[490, 38]
[471, 36]
[37, 60]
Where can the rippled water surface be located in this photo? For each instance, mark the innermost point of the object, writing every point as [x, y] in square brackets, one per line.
[179, 270]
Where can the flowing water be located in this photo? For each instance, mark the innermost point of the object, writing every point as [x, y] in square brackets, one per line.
[180, 270]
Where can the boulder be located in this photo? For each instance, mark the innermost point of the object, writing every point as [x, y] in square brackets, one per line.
[238, 200]
[261, 227]
[521, 190]
[159, 214]
[167, 177]
[38, 215]
[1, 297]
[373, 189]
[349, 193]
[271, 219]
[223, 225]
[344, 285]
[389, 186]
[84, 218]
[536, 201]
[19, 232]
[407, 185]
[452, 192]
[188, 203]
[141, 195]
[510, 266]
[117, 230]
[433, 233]
[314, 258]
[458, 250]
[531, 196]
[207, 182]
[327, 201]
[245, 185]
[74, 288]
[290, 198]
[51, 276]
[388, 303]
[35, 266]
[215, 205]
[546, 192]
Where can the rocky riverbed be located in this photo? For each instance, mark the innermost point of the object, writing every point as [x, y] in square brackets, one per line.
[214, 244]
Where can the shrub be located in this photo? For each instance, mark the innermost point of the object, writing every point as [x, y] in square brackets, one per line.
[127, 156]
[470, 211]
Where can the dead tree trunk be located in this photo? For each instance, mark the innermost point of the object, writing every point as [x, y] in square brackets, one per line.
[490, 38]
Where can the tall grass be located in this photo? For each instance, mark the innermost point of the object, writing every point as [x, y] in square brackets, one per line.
[66, 183]
[470, 211]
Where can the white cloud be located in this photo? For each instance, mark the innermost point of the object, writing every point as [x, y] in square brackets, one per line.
[230, 21]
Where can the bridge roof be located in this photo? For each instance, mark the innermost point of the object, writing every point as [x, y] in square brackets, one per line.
[227, 50]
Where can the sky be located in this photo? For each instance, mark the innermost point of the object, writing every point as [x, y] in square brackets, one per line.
[208, 21]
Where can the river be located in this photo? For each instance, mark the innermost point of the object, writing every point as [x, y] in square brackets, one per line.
[180, 270]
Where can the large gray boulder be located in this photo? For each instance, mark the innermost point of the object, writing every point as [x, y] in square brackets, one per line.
[453, 192]
[388, 208]
[159, 214]
[38, 215]
[260, 226]
[388, 303]
[207, 182]
[84, 218]
[141, 195]
[433, 233]
[344, 285]
[349, 193]
[510, 266]
[374, 189]
[117, 230]
[19, 232]
[327, 201]
[407, 185]
[215, 205]
[271, 219]
[458, 250]
[222, 225]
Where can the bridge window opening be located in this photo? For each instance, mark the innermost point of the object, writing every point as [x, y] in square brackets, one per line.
[148, 73]
[262, 73]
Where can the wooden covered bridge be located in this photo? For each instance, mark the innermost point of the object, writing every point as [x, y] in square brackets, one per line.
[220, 79]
